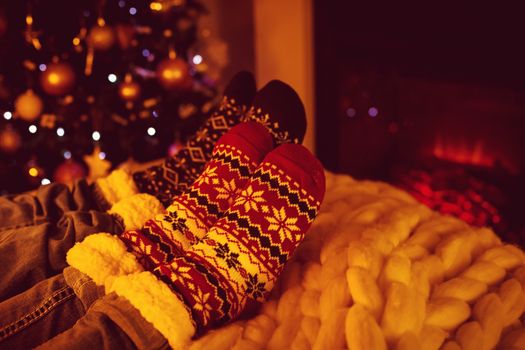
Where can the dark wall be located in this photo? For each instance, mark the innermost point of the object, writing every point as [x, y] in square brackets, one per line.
[451, 72]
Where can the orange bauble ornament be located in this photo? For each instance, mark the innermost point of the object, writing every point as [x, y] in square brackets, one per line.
[69, 171]
[10, 140]
[129, 90]
[29, 106]
[58, 79]
[101, 38]
[174, 74]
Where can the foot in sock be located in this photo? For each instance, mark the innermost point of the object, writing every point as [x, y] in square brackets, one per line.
[178, 172]
[276, 106]
[160, 247]
[240, 257]
[185, 222]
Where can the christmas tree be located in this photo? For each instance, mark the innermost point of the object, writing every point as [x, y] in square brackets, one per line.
[95, 81]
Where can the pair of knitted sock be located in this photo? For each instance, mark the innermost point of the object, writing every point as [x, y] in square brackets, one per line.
[223, 242]
[276, 106]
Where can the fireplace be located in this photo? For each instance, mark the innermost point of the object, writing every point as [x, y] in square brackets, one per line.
[430, 100]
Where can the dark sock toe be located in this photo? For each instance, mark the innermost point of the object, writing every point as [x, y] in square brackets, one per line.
[278, 107]
[241, 88]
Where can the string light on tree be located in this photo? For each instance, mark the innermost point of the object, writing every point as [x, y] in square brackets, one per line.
[112, 78]
[61, 132]
[32, 129]
[95, 136]
[151, 131]
[8, 115]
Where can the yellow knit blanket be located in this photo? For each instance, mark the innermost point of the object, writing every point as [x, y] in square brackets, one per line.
[378, 270]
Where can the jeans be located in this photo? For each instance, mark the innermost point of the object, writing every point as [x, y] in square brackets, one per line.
[69, 311]
[37, 230]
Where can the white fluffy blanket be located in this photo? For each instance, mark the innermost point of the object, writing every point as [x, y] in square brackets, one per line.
[378, 270]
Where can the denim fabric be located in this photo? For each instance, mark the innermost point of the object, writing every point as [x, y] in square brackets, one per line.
[37, 230]
[111, 323]
[69, 311]
[43, 311]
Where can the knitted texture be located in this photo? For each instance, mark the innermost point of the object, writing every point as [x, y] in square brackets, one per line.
[379, 270]
[177, 173]
[245, 251]
[276, 106]
[186, 221]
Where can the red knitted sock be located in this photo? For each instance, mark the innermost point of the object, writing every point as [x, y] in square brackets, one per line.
[245, 251]
[235, 157]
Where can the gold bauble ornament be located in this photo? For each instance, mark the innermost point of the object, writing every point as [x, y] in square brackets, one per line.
[129, 90]
[29, 106]
[174, 74]
[101, 38]
[10, 140]
[58, 79]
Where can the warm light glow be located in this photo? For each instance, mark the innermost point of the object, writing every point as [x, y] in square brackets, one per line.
[128, 91]
[29, 20]
[76, 41]
[197, 59]
[151, 131]
[60, 132]
[172, 74]
[351, 112]
[53, 78]
[461, 152]
[8, 115]
[155, 6]
[373, 112]
[45, 181]
[33, 172]
[95, 135]
[32, 129]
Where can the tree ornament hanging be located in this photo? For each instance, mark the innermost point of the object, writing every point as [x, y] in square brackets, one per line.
[10, 140]
[29, 106]
[58, 79]
[69, 171]
[174, 74]
[129, 90]
[101, 37]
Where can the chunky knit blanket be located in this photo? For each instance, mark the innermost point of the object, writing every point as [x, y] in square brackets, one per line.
[378, 270]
